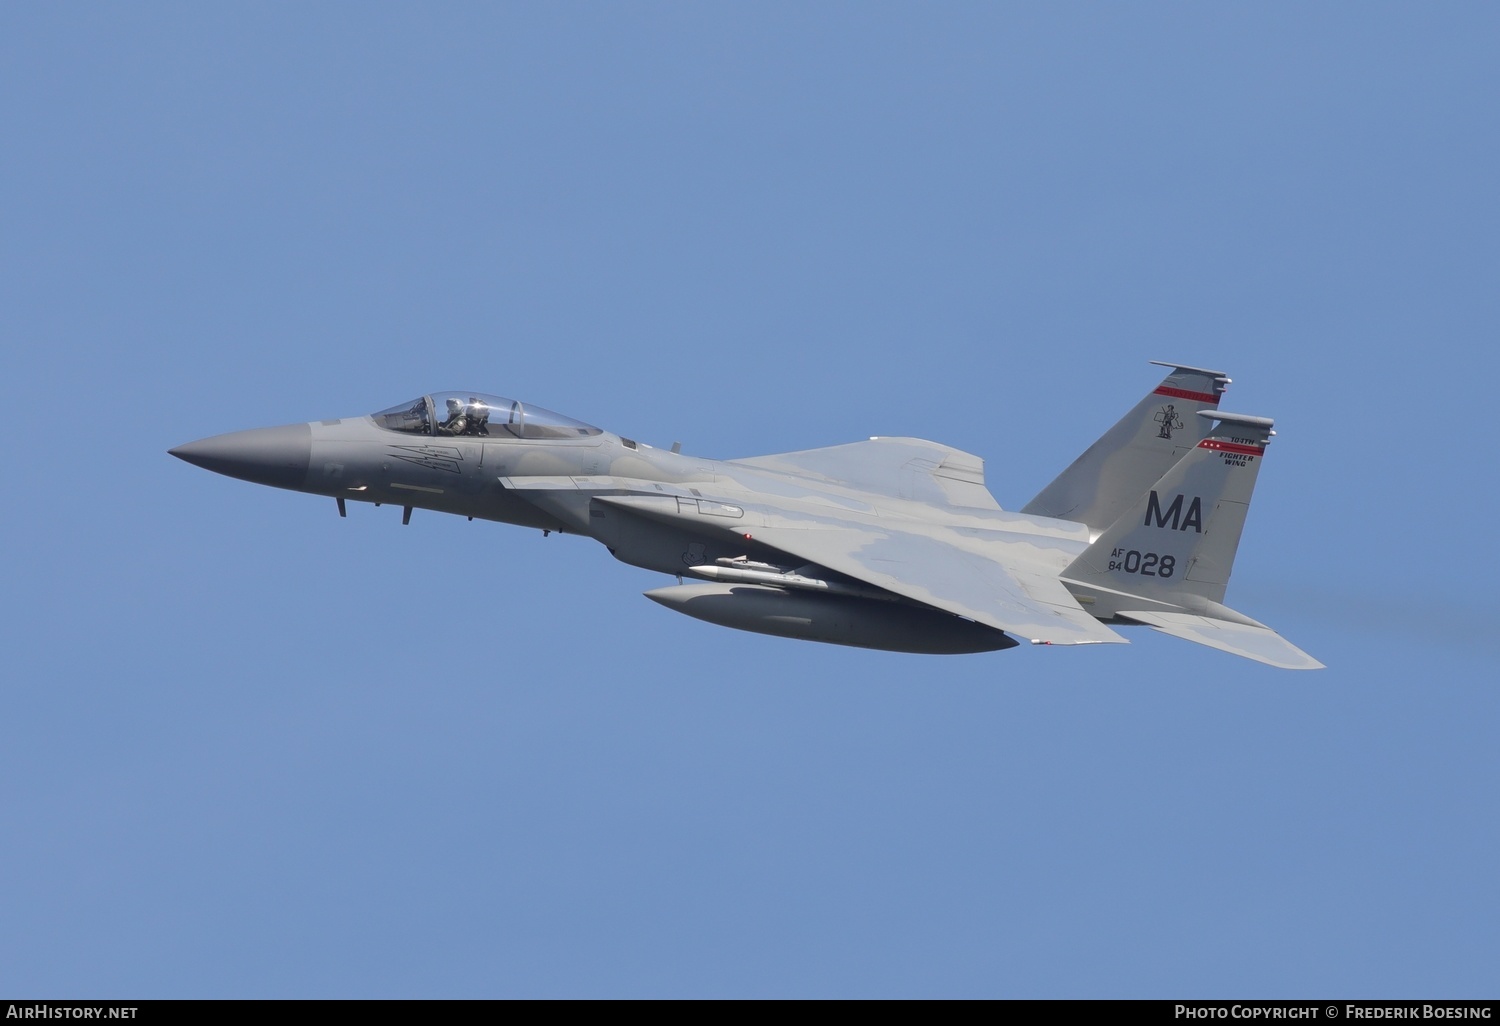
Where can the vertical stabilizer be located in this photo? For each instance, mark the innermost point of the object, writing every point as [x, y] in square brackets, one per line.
[1166, 561]
[1177, 541]
[1118, 468]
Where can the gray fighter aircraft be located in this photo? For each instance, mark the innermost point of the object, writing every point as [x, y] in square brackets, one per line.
[891, 543]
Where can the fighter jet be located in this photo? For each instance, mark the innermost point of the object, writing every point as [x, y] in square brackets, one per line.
[890, 543]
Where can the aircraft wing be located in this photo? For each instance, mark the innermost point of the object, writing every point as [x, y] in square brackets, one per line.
[900, 468]
[1034, 606]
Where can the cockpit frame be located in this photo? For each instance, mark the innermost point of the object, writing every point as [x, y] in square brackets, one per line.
[477, 415]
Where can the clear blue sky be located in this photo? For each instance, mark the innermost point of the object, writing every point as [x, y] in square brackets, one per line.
[253, 750]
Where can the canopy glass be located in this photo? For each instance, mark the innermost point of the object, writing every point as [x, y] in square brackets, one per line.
[476, 415]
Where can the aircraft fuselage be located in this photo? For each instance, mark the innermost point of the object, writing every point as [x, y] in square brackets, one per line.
[890, 543]
[652, 508]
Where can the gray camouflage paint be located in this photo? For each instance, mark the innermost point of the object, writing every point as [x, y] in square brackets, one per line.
[891, 543]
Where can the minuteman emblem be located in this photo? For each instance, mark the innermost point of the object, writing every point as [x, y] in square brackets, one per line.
[1168, 420]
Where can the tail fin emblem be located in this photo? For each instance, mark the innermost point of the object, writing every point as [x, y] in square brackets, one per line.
[1168, 419]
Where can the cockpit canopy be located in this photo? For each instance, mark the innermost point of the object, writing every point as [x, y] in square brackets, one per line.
[476, 415]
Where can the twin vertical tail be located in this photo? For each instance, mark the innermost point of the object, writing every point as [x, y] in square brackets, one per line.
[1177, 542]
[1113, 472]
[1166, 560]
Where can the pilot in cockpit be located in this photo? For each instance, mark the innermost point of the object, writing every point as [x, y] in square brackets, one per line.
[456, 422]
[479, 417]
[471, 418]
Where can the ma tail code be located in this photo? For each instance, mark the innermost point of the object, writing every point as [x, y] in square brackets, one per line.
[1172, 517]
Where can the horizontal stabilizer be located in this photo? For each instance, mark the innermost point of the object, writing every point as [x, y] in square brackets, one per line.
[1259, 643]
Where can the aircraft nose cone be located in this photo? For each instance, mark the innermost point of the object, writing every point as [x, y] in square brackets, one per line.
[277, 456]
